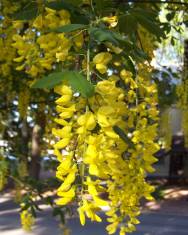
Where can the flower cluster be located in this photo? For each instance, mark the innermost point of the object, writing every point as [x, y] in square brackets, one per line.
[27, 220]
[106, 145]
[40, 47]
[7, 30]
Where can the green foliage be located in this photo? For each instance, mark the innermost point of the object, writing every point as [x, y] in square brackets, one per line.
[74, 78]
[69, 28]
[29, 12]
[59, 5]
[123, 136]
[103, 35]
[129, 64]
[51, 80]
[159, 193]
[127, 23]
[80, 84]
[166, 81]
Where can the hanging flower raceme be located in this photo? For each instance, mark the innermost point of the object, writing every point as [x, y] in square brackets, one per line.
[38, 52]
[106, 145]
[27, 220]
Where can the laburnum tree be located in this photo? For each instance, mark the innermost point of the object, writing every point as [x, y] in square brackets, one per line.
[76, 76]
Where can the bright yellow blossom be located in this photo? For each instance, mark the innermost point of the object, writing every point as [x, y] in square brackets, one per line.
[101, 60]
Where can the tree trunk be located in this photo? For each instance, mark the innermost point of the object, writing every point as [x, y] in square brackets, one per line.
[24, 140]
[37, 135]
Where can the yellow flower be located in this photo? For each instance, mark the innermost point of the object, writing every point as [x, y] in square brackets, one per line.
[38, 22]
[89, 209]
[62, 143]
[70, 193]
[101, 60]
[63, 201]
[63, 90]
[112, 227]
[65, 17]
[60, 121]
[61, 56]
[87, 121]
[66, 112]
[105, 116]
[33, 71]
[90, 155]
[70, 178]
[110, 133]
[65, 132]
[82, 216]
[102, 68]
[27, 220]
[94, 170]
[19, 59]
[65, 165]
[111, 20]
[18, 24]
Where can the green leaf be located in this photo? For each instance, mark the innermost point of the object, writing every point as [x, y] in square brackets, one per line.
[127, 24]
[124, 42]
[25, 207]
[151, 26]
[170, 16]
[28, 13]
[102, 35]
[59, 5]
[49, 201]
[139, 55]
[150, 14]
[100, 5]
[33, 212]
[74, 2]
[129, 64]
[78, 18]
[123, 136]
[56, 211]
[148, 19]
[76, 80]
[51, 80]
[69, 28]
[80, 84]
